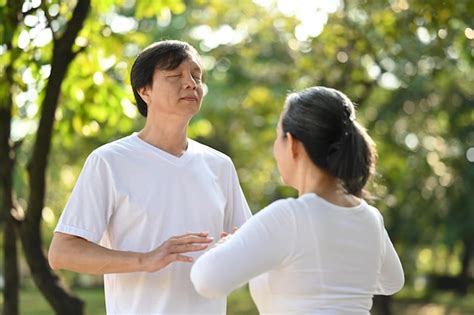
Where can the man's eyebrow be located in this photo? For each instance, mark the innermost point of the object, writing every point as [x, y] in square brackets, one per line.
[196, 68]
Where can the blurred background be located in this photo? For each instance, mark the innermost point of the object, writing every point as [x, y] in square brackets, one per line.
[408, 65]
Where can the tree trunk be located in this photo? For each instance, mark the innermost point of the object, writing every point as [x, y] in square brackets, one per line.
[10, 256]
[382, 305]
[465, 264]
[10, 260]
[48, 283]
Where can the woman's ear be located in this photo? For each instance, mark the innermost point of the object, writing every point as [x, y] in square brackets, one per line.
[144, 93]
[294, 145]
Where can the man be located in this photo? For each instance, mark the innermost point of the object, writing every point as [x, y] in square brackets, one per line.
[134, 195]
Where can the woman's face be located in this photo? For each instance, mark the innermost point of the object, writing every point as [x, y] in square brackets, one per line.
[282, 152]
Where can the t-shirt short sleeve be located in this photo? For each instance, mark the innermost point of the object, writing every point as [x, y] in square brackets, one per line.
[237, 210]
[91, 202]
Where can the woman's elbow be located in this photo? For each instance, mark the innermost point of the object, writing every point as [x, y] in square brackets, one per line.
[205, 283]
[393, 286]
[206, 290]
[399, 285]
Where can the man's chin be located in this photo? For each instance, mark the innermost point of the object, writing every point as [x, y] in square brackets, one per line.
[192, 110]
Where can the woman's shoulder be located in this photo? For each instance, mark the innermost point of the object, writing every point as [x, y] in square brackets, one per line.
[376, 214]
[285, 204]
[281, 210]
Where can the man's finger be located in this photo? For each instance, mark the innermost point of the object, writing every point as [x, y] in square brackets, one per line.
[177, 257]
[185, 248]
[205, 233]
[191, 239]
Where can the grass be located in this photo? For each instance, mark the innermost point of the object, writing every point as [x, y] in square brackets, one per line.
[33, 303]
[240, 303]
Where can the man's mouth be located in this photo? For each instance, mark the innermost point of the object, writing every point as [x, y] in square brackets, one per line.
[190, 98]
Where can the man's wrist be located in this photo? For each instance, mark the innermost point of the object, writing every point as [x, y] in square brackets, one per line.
[142, 259]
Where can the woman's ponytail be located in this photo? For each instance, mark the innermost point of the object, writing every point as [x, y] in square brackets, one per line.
[323, 119]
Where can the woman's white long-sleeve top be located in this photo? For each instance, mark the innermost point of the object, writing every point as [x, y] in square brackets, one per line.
[305, 256]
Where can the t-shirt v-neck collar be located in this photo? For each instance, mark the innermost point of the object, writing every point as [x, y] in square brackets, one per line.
[170, 158]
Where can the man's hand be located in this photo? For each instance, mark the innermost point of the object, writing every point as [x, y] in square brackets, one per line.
[172, 250]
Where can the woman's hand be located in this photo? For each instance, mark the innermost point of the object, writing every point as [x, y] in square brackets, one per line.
[224, 237]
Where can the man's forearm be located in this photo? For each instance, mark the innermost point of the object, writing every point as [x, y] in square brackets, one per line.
[79, 255]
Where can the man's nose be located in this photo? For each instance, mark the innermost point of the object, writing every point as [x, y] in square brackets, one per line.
[190, 82]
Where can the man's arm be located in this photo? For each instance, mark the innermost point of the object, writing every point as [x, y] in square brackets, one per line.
[77, 254]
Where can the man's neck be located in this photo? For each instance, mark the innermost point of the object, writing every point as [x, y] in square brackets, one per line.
[167, 134]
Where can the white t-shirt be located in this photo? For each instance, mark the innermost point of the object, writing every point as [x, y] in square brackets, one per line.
[305, 256]
[132, 196]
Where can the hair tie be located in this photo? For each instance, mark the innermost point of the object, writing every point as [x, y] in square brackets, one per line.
[347, 120]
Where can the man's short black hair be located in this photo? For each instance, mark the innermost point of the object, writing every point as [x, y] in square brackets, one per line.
[163, 55]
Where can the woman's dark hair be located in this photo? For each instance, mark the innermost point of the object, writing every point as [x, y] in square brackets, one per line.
[163, 55]
[323, 119]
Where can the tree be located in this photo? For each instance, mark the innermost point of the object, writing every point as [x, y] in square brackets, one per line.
[10, 14]
[29, 225]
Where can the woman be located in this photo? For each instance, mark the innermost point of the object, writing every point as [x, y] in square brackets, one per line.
[326, 252]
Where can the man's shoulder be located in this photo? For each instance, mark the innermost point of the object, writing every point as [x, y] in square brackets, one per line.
[114, 148]
[211, 153]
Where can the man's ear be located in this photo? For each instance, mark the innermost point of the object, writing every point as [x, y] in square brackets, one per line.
[294, 145]
[144, 93]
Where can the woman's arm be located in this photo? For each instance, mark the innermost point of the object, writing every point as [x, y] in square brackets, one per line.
[260, 245]
[391, 278]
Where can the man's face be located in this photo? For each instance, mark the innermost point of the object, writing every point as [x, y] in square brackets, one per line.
[177, 91]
